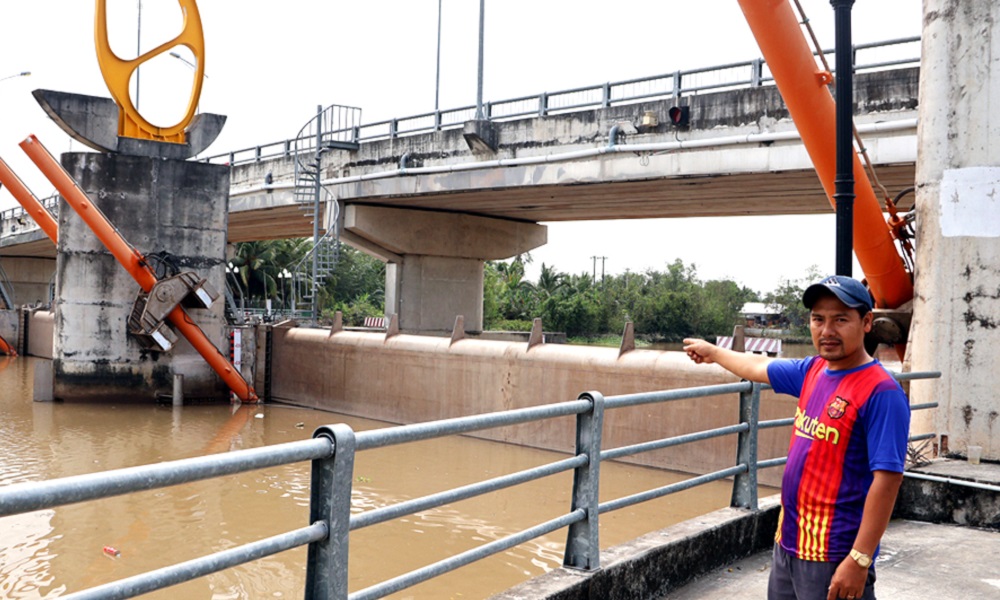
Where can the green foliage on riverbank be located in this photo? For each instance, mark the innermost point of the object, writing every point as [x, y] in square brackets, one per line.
[663, 305]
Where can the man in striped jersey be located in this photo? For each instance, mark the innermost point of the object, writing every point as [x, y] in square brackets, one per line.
[847, 449]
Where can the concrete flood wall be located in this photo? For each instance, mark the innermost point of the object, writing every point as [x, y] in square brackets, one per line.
[409, 379]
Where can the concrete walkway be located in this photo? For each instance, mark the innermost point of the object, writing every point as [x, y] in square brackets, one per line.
[917, 560]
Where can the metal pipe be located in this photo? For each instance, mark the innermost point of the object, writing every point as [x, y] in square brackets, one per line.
[843, 194]
[949, 480]
[437, 79]
[389, 436]
[479, 87]
[677, 440]
[37, 495]
[31, 204]
[134, 263]
[460, 560]
[381, 515]
[205, 565]
[680, 486]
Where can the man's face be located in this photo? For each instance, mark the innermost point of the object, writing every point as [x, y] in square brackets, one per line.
[838, 332]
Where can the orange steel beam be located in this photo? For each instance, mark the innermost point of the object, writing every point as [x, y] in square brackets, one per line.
[803, 86]
[134, 263]
[29, 202]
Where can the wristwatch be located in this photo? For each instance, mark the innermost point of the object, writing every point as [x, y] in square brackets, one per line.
[864, 561]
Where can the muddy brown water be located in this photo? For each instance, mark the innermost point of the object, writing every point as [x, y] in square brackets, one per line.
[46, 554]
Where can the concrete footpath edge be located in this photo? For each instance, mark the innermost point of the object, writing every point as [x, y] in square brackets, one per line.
[659, 562]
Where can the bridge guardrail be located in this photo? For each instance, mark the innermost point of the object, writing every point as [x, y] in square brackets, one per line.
[752, 73]
[332, 451]
[17, 220]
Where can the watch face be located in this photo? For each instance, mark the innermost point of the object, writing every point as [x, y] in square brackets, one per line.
[862, 559]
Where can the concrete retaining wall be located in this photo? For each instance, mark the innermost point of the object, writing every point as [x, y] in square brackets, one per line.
[950, 501]
[410, 379]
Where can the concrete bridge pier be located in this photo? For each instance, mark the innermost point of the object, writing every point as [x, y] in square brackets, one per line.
[956, 326]
[158, 205]
[435, 260]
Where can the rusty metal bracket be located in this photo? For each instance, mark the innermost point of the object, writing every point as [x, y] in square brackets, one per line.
[147, 321]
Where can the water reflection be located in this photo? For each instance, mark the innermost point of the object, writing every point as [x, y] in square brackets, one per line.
[50, 553]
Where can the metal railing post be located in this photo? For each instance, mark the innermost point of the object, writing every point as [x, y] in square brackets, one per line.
[583, 550]
[677, 84]
[757, 76]
[543, 104]
[330, 503]
[606, 95]
[745, 484]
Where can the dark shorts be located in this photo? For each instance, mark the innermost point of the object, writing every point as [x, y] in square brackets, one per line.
[795, 579]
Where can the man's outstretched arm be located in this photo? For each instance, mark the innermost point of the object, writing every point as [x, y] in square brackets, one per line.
[745, 366]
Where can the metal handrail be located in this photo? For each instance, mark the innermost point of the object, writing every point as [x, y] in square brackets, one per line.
[332, 450]
[750, 73]
[23, 218]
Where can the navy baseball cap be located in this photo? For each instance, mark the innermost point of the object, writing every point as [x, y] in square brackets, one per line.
[849, 291]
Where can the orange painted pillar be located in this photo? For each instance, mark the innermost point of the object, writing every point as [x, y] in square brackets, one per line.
[29, 202]
[803, 86]
[134, 263]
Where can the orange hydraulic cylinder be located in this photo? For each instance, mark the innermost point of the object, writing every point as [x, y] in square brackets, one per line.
[29, 202]
[803, 86]
[6, 348]
[134, 263]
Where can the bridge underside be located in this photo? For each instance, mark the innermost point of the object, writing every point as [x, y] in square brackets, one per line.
[795, 192]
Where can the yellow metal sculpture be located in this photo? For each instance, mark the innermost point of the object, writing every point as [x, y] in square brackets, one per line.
[118, 73]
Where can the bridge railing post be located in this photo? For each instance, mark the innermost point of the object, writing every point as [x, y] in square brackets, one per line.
[677, 84]
[745, 484]
[606, 95]
[393, 128]
[757, 76]
[330, 503]
[543, 104]
[583, 550]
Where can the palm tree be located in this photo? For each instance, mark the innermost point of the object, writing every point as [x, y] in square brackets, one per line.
[549, 283]
[258, 267]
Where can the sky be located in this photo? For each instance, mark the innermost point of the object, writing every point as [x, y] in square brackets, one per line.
[268, 65]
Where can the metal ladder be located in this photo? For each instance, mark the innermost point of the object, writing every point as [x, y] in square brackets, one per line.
[333, 128]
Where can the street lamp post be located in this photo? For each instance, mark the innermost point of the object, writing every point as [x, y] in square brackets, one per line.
[283, 278]
[21, 74]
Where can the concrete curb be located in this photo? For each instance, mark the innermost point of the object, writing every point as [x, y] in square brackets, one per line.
[657, 563]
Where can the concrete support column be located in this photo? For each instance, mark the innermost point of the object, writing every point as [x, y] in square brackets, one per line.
[956, 326]
[158, 205]
[435, 260]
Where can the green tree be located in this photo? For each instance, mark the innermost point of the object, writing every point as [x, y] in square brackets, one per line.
[258, 268]
[789, 297]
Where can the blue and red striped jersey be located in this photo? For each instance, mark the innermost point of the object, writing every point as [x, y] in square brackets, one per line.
[848, 424]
